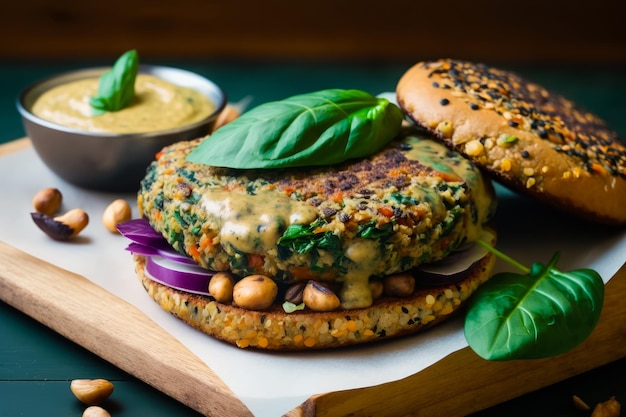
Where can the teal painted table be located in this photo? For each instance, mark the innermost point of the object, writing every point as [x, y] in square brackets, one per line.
[36, 364]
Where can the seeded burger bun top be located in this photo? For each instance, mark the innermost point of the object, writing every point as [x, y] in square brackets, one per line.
[531, 140]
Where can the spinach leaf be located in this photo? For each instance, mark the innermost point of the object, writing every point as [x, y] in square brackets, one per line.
[116, 88]
[320, 128]
[541, 314]
[404, 199]
[303, 239]
[371, 230]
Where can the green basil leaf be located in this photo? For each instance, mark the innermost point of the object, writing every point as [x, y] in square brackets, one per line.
[116, 87]
[542, 314]
[320, 128]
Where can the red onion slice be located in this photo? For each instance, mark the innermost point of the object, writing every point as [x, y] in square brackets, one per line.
[167, 253]
[140, 231]
[177, 275]
[148, 242]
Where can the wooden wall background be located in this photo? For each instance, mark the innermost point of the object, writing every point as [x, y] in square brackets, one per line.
[523, 31]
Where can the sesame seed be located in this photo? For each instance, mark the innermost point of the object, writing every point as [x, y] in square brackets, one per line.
[435, 84]
[579, 134]
[505, 165]
[444, 101]
[525, 154]
[445, 128]
[474, 148]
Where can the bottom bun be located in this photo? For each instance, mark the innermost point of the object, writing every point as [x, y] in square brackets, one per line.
[275, 329]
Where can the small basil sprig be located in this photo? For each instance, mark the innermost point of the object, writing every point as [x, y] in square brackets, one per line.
[320, 128]
[116, 87]
[541, 313]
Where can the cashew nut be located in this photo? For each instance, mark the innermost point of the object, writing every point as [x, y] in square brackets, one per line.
[63, 227]
[91, 391]
[95, 411]
[295, 292]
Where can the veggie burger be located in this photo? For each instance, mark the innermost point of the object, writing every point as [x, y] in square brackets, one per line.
[283, 231]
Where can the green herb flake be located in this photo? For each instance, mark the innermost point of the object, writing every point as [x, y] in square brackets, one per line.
[321, 128]
[116, 87]
[290, 307]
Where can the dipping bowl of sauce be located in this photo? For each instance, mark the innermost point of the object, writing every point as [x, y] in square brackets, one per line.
[112, 150]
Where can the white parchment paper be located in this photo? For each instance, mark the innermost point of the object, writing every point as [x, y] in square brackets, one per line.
[271, 384]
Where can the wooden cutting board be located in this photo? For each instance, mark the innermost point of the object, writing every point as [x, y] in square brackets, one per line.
[457, 385]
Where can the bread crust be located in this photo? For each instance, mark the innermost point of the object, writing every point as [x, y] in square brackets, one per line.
[308, 330]
[531, 140]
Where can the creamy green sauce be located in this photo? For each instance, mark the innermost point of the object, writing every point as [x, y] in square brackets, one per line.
[438, 157]
[158, 105]
[254, 223]
[355, 291]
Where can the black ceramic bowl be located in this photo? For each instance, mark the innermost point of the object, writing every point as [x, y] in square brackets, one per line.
[109, 161]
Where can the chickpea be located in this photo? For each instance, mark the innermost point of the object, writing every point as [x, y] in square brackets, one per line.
[317, 297]
[377, 289]
[47, 201]
[399, 285]
[117, 212]
[221, 287]
[255, 292]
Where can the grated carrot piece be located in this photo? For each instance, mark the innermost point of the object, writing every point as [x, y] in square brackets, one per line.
[255, 260]
[386, 211]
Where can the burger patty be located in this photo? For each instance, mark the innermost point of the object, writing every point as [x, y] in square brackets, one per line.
[412, 203]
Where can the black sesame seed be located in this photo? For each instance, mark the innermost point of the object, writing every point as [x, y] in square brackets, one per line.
[525, 154]
[474, 106]
[444, 101]
[435, 84]
[513, 123]
[543, 134]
